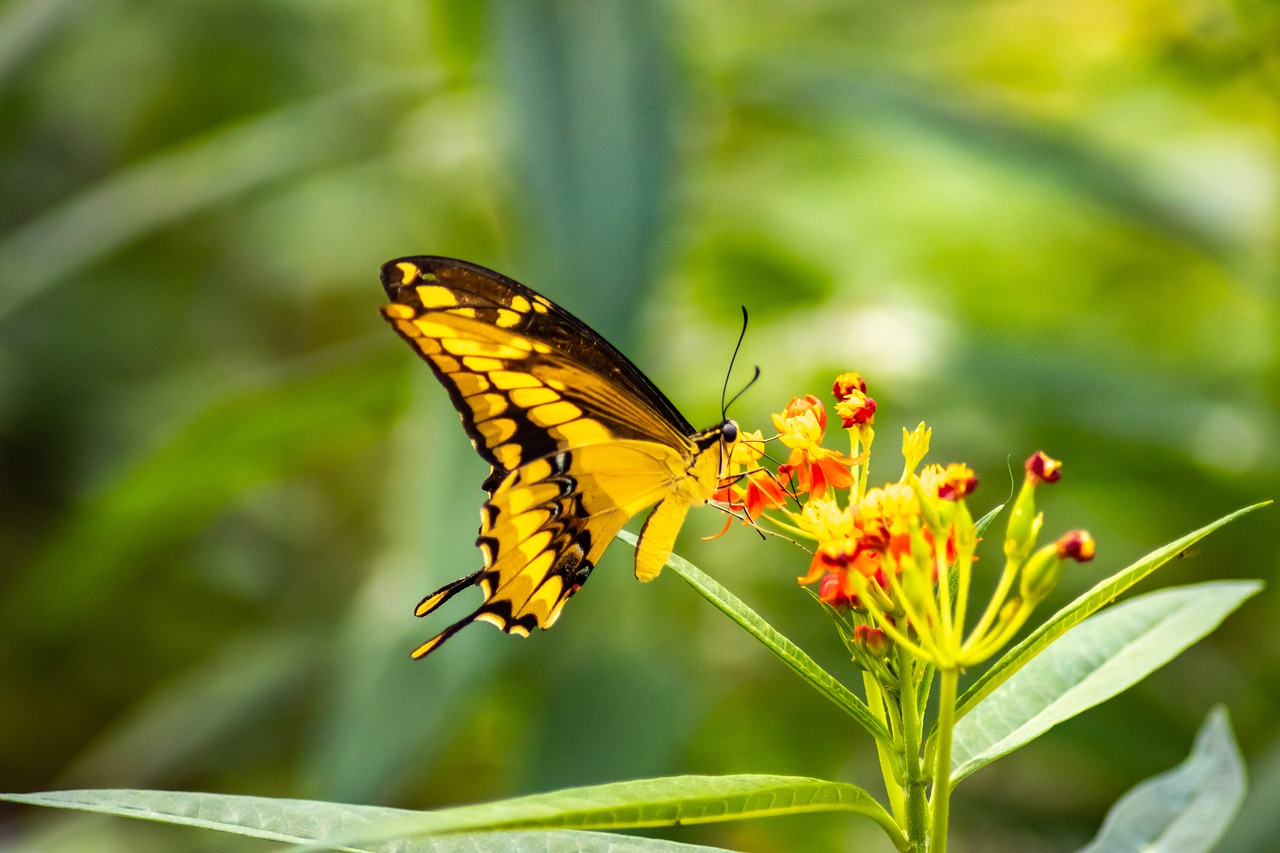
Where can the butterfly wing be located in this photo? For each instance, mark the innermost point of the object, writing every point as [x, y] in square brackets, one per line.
[527, 377]
[578, 438]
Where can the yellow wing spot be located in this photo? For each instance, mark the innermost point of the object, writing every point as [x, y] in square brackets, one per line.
[541, 348]
[544, 599]
[488, 405]
[480, 364]
[446, 364]
[556, 609]
[527, 398]
[497, 430]
[519, 303]
[495, 619]
[552, 414]
[428, 346]
[509, 379]
[466, 346]
[556, 384]
[433, 329]
[507, 319]
[523, 343]
[524, 499]
[464, 312]
[582, 432]
[468, 383]
[535, 544]
[436, 296]
[508, 455]
[541, 305]
[396, 311]
[408, 272]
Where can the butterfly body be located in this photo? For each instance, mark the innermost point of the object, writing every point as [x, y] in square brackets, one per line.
[579, 439]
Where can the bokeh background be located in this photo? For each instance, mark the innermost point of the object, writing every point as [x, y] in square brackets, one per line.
[226, 483]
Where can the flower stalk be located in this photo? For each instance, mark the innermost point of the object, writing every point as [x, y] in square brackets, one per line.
[894, 565]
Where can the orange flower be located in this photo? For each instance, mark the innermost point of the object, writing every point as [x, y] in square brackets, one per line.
[801, 426]
[856, 409]
[762, 490]
[950, 483]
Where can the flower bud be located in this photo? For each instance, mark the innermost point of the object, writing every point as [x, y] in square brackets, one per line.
[846, 384]
[1024, 524]
[856, 409]
[1077, 545]
[874, 640]
[1040, 575]
[915, 446]
[1042, 468]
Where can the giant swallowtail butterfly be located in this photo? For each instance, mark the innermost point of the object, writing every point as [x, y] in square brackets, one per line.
[579, 439]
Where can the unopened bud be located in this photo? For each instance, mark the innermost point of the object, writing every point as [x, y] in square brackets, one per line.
[1043, 468]
[1077, 545]
[1040, 575]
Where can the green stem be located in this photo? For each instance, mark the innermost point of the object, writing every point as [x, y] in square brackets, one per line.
[917, 803]
[942, 765]
[876, 700]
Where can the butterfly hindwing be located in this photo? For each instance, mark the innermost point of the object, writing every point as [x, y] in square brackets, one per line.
[579, 439]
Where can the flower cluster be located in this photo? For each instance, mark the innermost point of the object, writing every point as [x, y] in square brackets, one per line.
[893, 563]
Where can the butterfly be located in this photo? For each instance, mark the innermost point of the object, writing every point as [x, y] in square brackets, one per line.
[579, 439]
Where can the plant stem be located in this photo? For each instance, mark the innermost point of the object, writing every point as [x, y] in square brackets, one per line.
[941, 799]
[876, 700]
[914, 784]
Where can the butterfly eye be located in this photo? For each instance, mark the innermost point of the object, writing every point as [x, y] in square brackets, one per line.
[729, 431]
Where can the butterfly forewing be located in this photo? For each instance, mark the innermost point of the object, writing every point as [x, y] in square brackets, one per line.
[579, 439]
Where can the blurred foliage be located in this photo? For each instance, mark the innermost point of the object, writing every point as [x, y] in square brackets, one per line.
[226, 483]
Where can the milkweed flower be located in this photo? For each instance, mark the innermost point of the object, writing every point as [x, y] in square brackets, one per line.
[895, 561]
[811, 467]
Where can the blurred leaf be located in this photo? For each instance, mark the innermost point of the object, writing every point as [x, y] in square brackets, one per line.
[195, 175]
[1074, 613]
[782, 648]
[588, 91]
[382, 717]
[197, 714]
[1039, 148]
[327, 412]
[1257, 827]
[25, 25]
[1099, 658]
[1185, 810]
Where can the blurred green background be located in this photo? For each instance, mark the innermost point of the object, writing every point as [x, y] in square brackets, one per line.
[226, 483]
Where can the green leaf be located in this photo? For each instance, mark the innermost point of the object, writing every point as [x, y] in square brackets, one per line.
[649, 802]
[1185, 810]
[318, 825]
[1100, 658]
[1080, 609]
[1057, 153]
[782, 648]
[195, 175]
[330, 409]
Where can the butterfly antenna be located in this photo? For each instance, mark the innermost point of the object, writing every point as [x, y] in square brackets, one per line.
[724, 390]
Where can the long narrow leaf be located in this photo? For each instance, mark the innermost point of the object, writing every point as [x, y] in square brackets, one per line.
[644, 803]
[1100, 658]
[782, 648]
[1185, 810]
[320, 825]
[1080, 609]
[192, 176]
